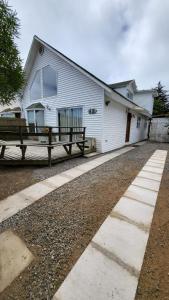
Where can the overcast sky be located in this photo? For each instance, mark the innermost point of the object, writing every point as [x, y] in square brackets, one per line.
[116, 40]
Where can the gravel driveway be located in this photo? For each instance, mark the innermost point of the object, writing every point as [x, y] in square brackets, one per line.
[58, 227]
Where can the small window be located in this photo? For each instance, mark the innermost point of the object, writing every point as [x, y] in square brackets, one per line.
[145, 124]
[138, 122]
[36, 87]
[49, 82]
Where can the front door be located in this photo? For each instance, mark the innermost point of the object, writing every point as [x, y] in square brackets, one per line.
[128, 127]
[35, 118]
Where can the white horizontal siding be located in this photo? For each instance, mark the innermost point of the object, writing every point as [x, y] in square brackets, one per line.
[115, 121]
[114, 126]
[144, 100]
[74, 89]
[138, 134]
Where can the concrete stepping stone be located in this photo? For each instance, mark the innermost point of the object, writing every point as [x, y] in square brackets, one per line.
[14, 258]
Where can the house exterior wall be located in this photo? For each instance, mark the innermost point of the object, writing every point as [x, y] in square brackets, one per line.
[158, 131]
[73, 90]
[138, 134]
[122, 90]
[114, 126]
[145, 100]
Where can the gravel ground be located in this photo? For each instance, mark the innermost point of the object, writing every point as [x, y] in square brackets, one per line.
[58, 227]
[13, 179]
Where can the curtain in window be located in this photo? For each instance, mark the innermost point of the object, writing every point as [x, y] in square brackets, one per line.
[70, 117]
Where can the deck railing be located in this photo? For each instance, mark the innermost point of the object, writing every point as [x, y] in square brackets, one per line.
[66, 137]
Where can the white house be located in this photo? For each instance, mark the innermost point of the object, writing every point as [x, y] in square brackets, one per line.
[11, 111]
[59, 92]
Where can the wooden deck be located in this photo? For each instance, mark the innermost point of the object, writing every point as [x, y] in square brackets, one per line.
[36, 155]
[35, 152]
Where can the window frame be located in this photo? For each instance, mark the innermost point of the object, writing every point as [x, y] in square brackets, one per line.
[41, 84]
[138, 122]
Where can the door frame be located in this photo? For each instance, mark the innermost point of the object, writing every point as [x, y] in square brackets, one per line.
[128, 127]
[34, 114]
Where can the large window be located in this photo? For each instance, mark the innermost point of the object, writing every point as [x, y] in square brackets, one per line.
[36, 87]
[44, 84]
[70, 117]
[49, 82]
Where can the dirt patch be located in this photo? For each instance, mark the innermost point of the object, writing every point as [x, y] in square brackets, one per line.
[154, 279]
[13, 180]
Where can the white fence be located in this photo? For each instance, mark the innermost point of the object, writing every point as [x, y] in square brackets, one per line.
[158, 131]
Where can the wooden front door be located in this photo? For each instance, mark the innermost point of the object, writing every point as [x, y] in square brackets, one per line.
[128, 127]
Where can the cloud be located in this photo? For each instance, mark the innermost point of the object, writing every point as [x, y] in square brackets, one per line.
[115, 40]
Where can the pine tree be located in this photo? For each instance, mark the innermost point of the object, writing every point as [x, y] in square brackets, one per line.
[11, 73]
[161, 100]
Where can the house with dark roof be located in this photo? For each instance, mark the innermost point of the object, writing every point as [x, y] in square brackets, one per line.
[59, 92]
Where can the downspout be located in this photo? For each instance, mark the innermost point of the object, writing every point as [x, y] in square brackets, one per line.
[149, 126]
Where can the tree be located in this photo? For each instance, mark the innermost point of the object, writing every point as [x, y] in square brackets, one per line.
[11, 73]
[161, 100]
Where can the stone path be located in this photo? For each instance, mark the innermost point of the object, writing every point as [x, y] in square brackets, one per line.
[13, 204]
[110, 266]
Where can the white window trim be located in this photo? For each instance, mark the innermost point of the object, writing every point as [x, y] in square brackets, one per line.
[69, 107]
[41, 84]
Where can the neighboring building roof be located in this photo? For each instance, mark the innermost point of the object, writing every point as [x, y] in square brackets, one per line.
[120, 84]
[36, 106]
[161, 116]
[15, 109]
[144, 91]
[105, 86]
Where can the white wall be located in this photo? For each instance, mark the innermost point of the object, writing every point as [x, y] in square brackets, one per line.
[158, 131]
[114, 127]
[122, 90]
[138, 134]
[74, 89]
[115, 121]
[145, 100]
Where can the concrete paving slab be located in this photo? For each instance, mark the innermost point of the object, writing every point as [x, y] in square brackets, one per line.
[153, 160]
[58, 180]
[138, 212]
[91, 154]
[115, 233]
[14, 258]
[149, 175]
[12, 205]
[152, 170]
[141, 194]
[73, 173]
[146, 183]
[96, 276]
[154, 164]
[37, 191]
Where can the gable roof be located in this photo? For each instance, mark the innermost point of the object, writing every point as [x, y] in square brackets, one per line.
[120, 84]
[30, 59]
[14, 109]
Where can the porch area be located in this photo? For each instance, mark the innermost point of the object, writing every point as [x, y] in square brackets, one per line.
[40, 145]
